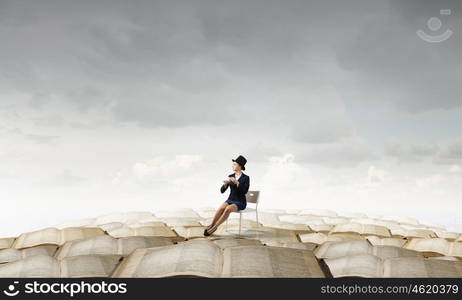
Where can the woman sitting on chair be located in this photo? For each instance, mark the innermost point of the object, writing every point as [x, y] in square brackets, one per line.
[239, 184]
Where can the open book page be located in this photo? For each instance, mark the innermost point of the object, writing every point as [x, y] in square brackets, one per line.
[184, 222]
[233, 225]
[108, 245]
[206, 213]
[183, 213]
[455, 249]
[451, 236]
[450, 258]
[103, 244]
[232, 242]
[266, 235]
[206, 222]
[126, 231]
[412, 233]
[190, 232]
[345, 236]
[391, 251]
[267, 261]
[297, 228]
[338, 249]
[45, 250]
[191, 258]
[111, 226]
[427, 232]
[9, 255]
[266, 218]
[325, 228]
[336, 220]
[48, 235]
[6, 243]
[34, 266]
[315, 238]
[429, 247]
[125, 217]
[144, 224]
[375, 240]
[89, 265]
[141, 216]
[421, 267]
[77, 233]
[368, 229]
[361, 265]
[295, 245]
[347, 227]
[12, 254]
[127, 244]
[377, 230]
[294, 219]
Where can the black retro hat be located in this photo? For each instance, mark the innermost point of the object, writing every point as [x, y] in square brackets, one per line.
[241, 161]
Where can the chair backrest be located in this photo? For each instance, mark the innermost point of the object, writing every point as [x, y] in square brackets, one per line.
[252, 196]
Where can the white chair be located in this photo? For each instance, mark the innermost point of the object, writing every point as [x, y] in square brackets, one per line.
[251, 197]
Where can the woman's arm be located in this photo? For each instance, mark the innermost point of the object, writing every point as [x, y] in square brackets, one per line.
[223, 188]
[244, 186]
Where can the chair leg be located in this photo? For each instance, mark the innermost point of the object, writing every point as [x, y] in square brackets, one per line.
[240, 221]
[256, 216]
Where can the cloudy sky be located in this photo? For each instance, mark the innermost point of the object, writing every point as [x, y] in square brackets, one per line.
[112, 106]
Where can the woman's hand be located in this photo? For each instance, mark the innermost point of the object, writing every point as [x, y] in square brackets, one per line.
[233, 179]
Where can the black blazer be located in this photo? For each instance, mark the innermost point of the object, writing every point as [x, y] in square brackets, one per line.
[237, 193]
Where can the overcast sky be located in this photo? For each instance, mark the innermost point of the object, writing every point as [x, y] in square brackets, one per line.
[140, 105]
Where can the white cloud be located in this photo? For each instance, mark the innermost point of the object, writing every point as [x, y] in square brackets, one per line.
[63, 179]
[376, 175]
[117, 95]
[455, 169]
[348, 152]
[452, 154]
[162, 168]
[283, 172]
[405, 152]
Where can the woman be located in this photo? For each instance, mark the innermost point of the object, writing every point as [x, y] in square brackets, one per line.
[239, 185]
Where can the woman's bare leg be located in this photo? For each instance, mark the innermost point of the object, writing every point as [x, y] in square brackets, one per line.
[218, 214]
[228, 210]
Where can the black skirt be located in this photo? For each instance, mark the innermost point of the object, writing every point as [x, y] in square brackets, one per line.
[240, 205]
